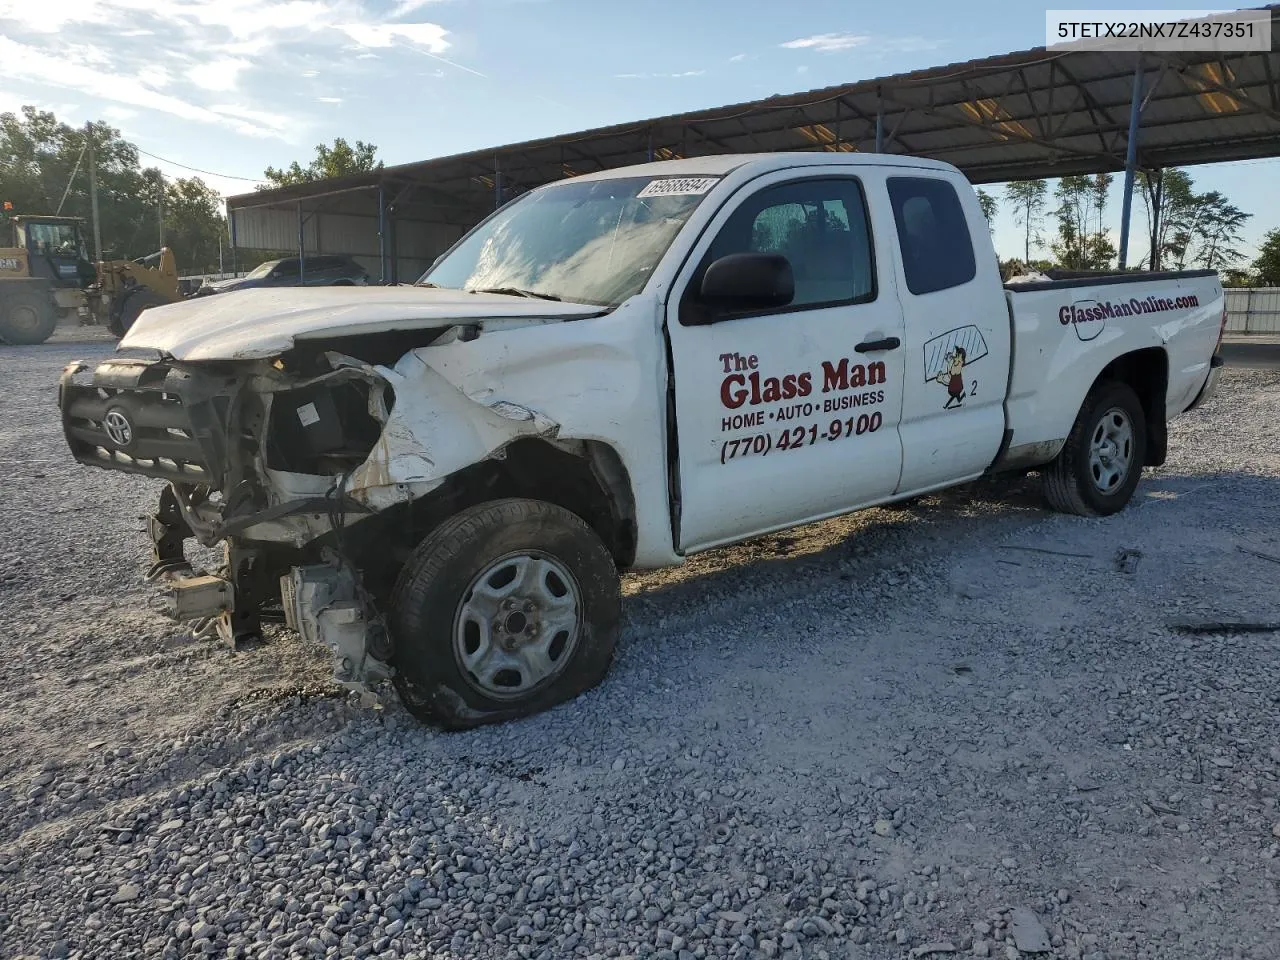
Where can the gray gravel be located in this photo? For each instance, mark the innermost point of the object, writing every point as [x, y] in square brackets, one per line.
[887, 736]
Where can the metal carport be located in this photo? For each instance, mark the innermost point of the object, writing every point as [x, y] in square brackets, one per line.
[1037, 113]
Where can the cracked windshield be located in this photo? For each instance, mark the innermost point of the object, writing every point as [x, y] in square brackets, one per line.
[593, 242]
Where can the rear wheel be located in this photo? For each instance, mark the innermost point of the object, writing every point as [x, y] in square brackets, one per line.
[504, 610]
[1099, 466]
[26, 316]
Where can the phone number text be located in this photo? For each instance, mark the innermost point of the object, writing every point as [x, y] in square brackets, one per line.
[795, 438]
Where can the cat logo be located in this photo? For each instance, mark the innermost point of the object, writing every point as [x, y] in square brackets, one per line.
[9, 263]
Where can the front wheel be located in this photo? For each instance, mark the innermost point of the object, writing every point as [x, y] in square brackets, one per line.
[1098, 468]
[505, 609]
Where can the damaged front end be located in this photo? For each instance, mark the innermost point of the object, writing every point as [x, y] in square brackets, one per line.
[293, 465]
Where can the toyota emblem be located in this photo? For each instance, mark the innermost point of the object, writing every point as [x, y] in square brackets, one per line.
[118, 428]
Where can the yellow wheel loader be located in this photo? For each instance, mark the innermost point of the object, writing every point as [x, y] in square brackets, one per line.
[46, 277]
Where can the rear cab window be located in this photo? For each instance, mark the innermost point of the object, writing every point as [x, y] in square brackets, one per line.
[933, 234]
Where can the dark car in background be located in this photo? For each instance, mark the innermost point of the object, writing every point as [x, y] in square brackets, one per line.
[318, 271]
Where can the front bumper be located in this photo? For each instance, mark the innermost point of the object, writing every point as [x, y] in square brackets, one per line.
[1210, 387]
[149, 417]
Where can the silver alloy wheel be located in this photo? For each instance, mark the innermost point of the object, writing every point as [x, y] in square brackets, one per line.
[518, 625]
[1111, 450]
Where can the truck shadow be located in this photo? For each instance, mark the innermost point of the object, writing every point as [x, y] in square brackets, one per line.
[898, 541]
[876, 537]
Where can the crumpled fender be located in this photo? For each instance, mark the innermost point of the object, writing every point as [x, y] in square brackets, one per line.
[433, 431]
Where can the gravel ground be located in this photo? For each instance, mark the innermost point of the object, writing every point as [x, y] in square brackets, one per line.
[959, 727]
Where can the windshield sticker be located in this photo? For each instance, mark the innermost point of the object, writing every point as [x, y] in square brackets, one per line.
[945, 359]
[678, 187]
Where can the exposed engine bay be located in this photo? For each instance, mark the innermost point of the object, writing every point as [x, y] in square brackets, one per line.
[308, 468]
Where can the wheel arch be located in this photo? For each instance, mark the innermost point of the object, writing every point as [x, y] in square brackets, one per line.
[586, 477]
[1146, 371]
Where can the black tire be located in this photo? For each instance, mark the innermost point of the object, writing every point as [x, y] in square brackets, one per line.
[433, 596]
[26, 316]
[131, 306]
[1072, 483]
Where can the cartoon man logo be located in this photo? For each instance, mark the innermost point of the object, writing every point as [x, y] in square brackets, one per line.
[948, 356]
[952, 375]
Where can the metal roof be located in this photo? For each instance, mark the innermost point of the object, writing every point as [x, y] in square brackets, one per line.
[1037, 113]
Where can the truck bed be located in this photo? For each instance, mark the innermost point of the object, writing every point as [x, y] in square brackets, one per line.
[1066, 332]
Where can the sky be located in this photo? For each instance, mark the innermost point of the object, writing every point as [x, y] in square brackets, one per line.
[229, 87]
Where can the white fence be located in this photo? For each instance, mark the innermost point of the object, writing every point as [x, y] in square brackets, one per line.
[1253, 309]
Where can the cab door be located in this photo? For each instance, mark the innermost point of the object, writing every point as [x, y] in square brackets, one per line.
[788, 413]
[957, 346]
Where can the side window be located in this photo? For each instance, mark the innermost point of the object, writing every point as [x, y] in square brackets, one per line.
[820, 226]
[933, 234]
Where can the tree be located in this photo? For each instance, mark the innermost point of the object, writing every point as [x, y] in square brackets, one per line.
[1028, 198]
[193, 224]
[1169, 229]
[1082, 203]
[1234, 277]
[1217, 231]
[1201, 229]
[989, 205]
[43, 160]
[1266, 268]
[340, 160]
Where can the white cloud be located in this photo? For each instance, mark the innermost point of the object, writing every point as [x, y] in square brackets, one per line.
[737, 58]
[37, 66]
[154, 76]
[429, 36]
[263, 119]
[406, 7]
[828, 42]
[12, 103]
[659, 76]
[328, 99]
[219, 75]
[203, 60]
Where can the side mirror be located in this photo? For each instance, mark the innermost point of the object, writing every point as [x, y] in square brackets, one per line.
[743, 282]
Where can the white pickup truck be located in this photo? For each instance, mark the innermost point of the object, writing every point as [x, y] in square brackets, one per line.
[441, 481]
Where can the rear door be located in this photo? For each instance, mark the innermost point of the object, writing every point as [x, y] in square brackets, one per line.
[789, 414]
[956, 350]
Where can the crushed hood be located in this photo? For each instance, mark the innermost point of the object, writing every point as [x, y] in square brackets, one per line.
[257, 323]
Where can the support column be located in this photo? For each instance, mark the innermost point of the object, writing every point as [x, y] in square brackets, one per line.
[1130, 163]
[231, 218]
[302, 246]
[651, 144]
[393, 245]
[497, 185]
[879, 123]
[382, 232]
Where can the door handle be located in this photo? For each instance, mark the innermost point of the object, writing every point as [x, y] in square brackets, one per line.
[873, 346]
